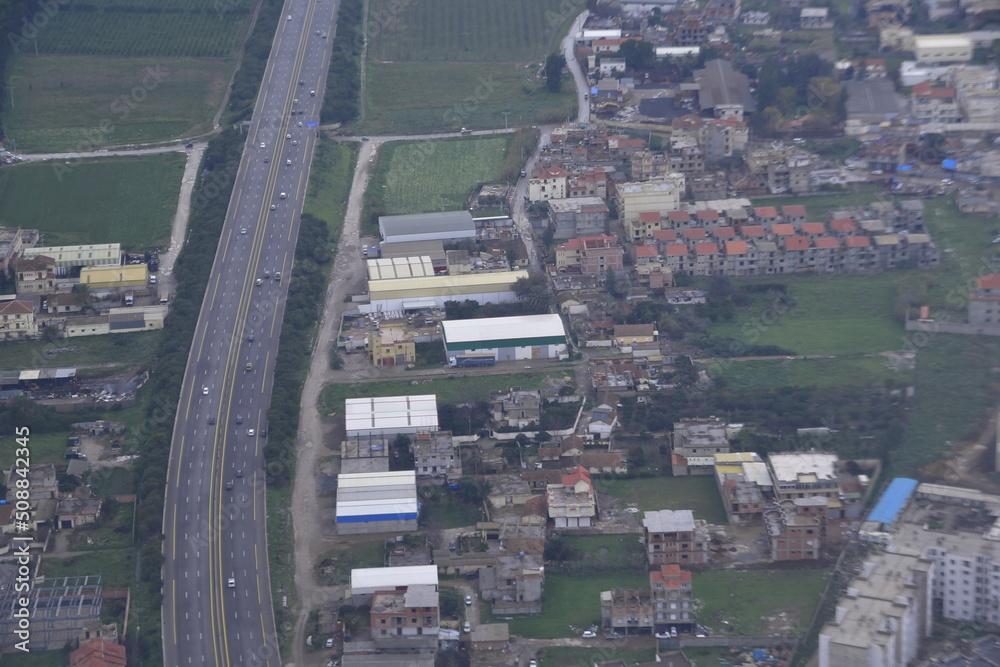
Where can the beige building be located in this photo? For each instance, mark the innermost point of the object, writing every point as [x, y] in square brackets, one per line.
[67, 256]
[391, 346]
[120, 275]
[942, 49]
[398, 295]
[548, 183]
[117, 320]
[17, 320]
[660, 195]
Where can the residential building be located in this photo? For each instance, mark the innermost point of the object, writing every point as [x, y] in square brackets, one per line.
[598, 463]
[490, 637]
[934, 104]
[611, 67]
[674, 536]
[573, 502]
[744, 484]
[17, 320]
[434, 456]
[590, 255]
[12, 244]
[74, 512]
[35, 275]
[673, 598]
[97, 652]
[548, 182]
[412, 611]
[804, 475]
[884, 615]
[523, 337]
[514, 584]
[578, 216]
[984, 300]
[516, 407]
[695, 443]
[815, 18]
[660, 195]
[391, 346]
[627, 611]
[635, 335]
[722, 11]
[796, 528]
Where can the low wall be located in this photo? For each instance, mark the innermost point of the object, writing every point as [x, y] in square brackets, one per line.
[953, 328]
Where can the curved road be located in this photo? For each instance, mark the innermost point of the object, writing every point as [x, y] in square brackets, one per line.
[217, 607]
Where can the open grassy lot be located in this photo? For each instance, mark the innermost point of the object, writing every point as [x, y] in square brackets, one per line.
[56, 658]
[83, 103]
[330, 182]
[452, 389]
[830, 315]
[281, 559]
[442, 510]
[966, 249]
[464, 30]
[192, 28]
[861, 371]
[571, 600]
[116, 567]
[608, 552]
[445, 96]
[749, 600]
[423, 177]
[669, 493]
[45, 448]
[131, 200]
[111, 531]
[571, 656]
[334, 567]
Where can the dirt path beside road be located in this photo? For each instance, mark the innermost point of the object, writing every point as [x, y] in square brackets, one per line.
[311, 532]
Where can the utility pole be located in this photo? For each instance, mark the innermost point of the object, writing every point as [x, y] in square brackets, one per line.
[505, 114]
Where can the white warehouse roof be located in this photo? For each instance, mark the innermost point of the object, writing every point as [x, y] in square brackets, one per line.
[391, 413]
[502, 328]
[377, 496]
[399, 267]
[448, 224]
[365, 581]
[942, 41]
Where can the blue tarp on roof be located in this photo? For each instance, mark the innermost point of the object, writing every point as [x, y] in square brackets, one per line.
[904, 167]
[893, 498]
[950, 165]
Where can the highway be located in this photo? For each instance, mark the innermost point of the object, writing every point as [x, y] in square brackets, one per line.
[217, 606]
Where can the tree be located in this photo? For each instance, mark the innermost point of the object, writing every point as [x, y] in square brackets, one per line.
[554, 65]
[637, 55]
[534, 292]
[611, 284]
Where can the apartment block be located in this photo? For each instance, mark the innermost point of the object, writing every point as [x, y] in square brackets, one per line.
[674, 536]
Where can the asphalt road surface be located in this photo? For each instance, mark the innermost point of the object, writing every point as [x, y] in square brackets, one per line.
[217, 606]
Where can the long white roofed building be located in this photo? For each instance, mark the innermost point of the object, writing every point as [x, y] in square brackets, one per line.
[390, 415]
[507, 338]
[377, 502]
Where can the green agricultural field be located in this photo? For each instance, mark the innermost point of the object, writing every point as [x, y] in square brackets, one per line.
[84, 103]
[189, 28]
[423, 177]
[698, 494]
[570, 600]
[452, 389]
[861, 371]
[750, 602]
[828, 315]
[444, 96]
[131, 200]
[116, 567]
[459, 30]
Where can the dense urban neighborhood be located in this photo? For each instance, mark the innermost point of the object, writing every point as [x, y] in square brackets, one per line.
[642, 332]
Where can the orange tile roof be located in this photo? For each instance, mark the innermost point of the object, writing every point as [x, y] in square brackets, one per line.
[679, 216]
[649, 216]
[707, 214]
[646, 251]
[694, 234]
[676, 250]
[766, 212]
[797, 243]
[813, 227]
[706, 249]
[736, 247]
[858, 242]
[827, 242]
[794, 209]
[724, 233]
[578, 473]
[16, 307]
[665, 235]
[783, 229]
[751, 231]
[989, 281]
[843, 225]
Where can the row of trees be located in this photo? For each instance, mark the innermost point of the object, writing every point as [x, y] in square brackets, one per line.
[343, 81]
[246, 81]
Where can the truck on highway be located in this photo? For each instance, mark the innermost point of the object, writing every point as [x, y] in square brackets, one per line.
[470, 360]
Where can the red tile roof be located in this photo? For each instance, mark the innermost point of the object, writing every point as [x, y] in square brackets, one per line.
[843, 225]
[98, 653]
[693, 234]
[766, 212]
[926, 90]
[736, 247]
[679, 216]
[16, 307]
[551, 172]
[649, 216]
[671, 576]
[676, 250]
[752, 231]
[706, 249]
[665, 235]
[783, 229]
[797, 243]
[578, 473]
[989, 281]
[724, 233]
[813, 227]
[826, 242]
[707, 214]
[646, 251]
[601, 460]
[857, 242]
[796, 210]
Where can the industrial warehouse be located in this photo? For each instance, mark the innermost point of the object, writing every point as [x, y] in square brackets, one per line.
[377, 502]
[523, 337]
